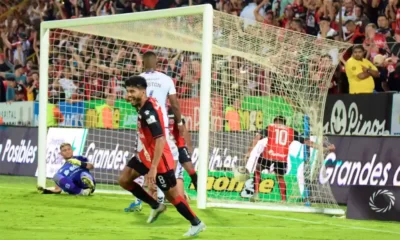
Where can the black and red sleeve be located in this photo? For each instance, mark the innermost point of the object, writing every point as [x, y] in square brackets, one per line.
[151, 120]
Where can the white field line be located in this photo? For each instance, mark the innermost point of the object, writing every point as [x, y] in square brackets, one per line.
[311, 222]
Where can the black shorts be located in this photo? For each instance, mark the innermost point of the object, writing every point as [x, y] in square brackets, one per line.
[164, 181]
[184, 155]
[279, 167]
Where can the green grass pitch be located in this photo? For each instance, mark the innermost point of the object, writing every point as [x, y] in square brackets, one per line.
[25, 214]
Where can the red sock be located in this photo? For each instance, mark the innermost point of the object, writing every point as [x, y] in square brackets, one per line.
[184, 209]
[192, 171]
[282, 188]
[257, 179]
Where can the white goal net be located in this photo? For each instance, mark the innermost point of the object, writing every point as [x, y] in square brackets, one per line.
[258, 72]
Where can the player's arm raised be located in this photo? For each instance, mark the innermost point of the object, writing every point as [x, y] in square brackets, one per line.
[81, 161]
[153, 122]
[310, 143]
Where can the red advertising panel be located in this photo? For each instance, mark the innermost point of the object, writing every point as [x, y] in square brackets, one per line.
[190, 108]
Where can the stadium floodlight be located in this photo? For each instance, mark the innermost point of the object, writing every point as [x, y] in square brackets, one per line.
[255, 70]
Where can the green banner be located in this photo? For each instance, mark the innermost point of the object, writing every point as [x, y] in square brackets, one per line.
[223, 186]
[257, 112]
[99, 114]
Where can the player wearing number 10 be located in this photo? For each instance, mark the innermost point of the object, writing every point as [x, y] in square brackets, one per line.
[155, 160]
[276, 141]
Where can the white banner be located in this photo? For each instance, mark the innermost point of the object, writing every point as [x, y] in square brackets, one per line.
[395, 127]
[55, 137]
[17, 113]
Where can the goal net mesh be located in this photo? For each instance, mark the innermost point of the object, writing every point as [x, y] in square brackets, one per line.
[259, 72]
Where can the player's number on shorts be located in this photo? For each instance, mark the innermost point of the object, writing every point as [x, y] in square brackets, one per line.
[281, 137]
[161, 180]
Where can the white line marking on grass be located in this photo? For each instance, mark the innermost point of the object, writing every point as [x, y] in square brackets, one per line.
[311, 222]
[107, 228]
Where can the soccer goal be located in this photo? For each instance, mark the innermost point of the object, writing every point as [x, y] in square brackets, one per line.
[233, 78]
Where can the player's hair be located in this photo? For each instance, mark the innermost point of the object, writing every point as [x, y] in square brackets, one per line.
[359, 46]
[280, 119]
[149, 54]
[64, 145]
[136, 81]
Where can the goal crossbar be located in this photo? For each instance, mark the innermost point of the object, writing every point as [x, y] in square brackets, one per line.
[207, 41]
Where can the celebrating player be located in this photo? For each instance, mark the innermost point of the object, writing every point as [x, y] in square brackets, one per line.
[74, 176]
[275, 149]
[155, 160]
[161, 87]
[183, 143]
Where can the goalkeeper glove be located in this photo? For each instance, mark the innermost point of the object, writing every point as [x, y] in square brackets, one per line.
[76, 162]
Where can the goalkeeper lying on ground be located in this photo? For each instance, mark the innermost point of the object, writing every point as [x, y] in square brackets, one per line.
[74, 176]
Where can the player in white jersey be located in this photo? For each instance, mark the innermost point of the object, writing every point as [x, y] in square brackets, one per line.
[162, 88]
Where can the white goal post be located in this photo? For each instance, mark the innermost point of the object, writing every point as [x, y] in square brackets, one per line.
[233, 79]
[205, 10]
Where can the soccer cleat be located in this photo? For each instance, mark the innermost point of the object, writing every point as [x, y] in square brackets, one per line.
[40, 189]
[195, 230]
[156, 212]
[86, 192]
[135, 206]
[88, 182]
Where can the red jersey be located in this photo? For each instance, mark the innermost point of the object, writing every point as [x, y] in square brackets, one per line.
[151, 126]
[397, 22]
[173, 128]
[379, 41]
[279, 139]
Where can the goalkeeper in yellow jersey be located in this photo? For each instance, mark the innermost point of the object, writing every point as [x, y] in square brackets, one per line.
[74, 176]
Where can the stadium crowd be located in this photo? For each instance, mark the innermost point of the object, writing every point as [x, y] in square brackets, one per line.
[91, 67]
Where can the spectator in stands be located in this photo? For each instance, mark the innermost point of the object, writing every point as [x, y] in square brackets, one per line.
[5, 65]
[248, 12]
[374, 43]
[20, 93]
[268, 17]
[32, 88]
[287, 17]
[99, 63]
[393, 81]
[20, 46]
[360, 18]
[325, 29]
[360, 72]
[18, 74]
[355, 33]
[312, 17]
[383, 26]
[9, 85]
[348, 11]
